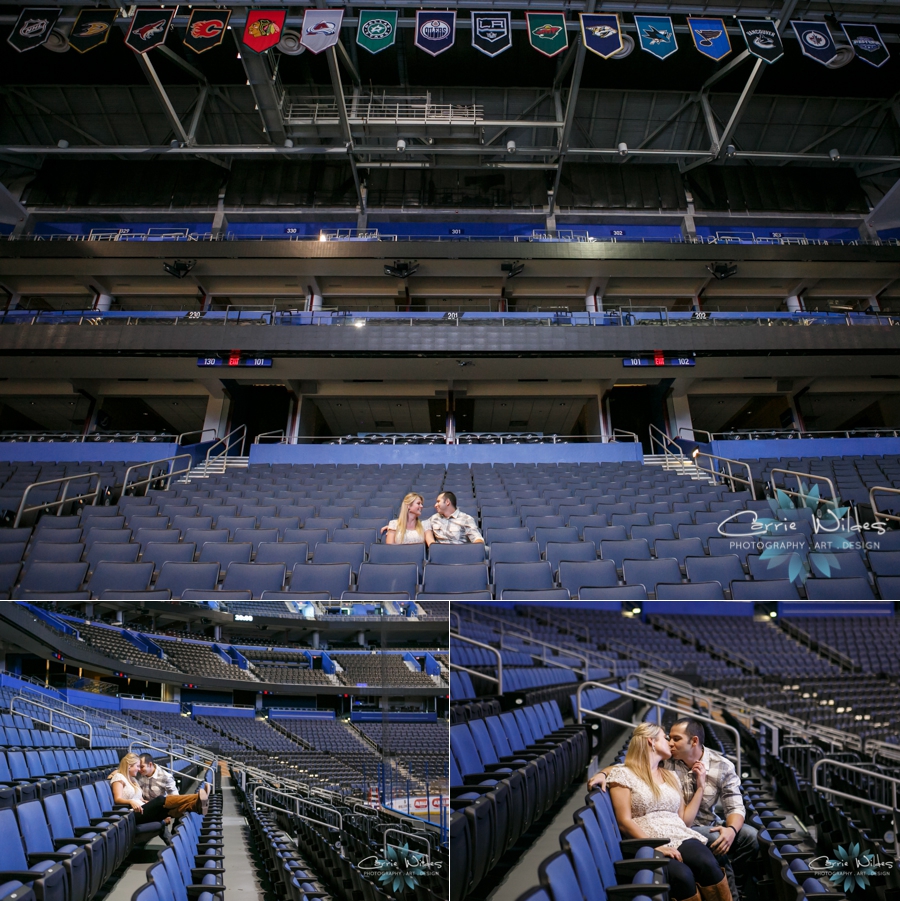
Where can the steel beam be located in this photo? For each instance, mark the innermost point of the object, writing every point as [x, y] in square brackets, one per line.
[261, 81]
[162, 97]
[199, 106]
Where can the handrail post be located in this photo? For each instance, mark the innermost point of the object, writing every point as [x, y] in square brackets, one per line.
[493, 650]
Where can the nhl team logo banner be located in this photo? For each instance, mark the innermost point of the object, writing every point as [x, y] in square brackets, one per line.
[91, 29]
[816, 41]
[377, 29]
[763, 39]
[435, 31]
[32, 28]
[492, 32]
[547, 32]
[657, 35]
[263, 28]
[710, 37]
[321, 29]
[149, 28]
[206, 29]
[601, 34]
[867, 43]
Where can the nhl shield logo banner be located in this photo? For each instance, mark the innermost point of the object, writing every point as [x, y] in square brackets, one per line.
[816, 41]
[206, 28]
[601, 34]
[321, 29]
[867, 44]
[377, 29]
[657, 35]
[547, 32]
[32, 28]
[263, 28]
[763, 39]
[91, 29]
[149, 28]
[435, 31]
[492, 32]
[710, 37]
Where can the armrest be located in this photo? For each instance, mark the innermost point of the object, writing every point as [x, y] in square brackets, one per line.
[631, 845]
[632, 866]
[476, 777]
[59, 842]
[198, 859]
[84, 830]
[47, 855]
[21, 875]
[195, 890]
[206, 871]
[458, 790]
[631, 890]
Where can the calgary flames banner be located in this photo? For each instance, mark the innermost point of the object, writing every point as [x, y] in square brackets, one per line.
[149, 28]
[263, 28]
[206, 28]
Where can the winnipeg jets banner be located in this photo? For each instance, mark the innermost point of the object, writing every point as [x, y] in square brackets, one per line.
[435, 30]
[492, 32]
[206, 28]
[547, 32]
[710, 37]
[263, 28]
[91, 29]
[32, 28]
[149, 28]
[816, 41]
[377, 29]
[763, 39]
[657, 35]
[867, 44]
[601, 34]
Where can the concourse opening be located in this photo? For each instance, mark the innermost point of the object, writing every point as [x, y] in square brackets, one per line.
[262, 408]
[635, 407]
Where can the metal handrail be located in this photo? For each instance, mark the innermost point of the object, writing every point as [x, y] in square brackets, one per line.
[729, 476]
[200, 432]
[616, 644]
[880, 514]
[227, 444]
[77, 719]
[173, 755]
[664, 442]
[693, 431]
[409, 835]
[471, 672]
[883, 749]
[507, 626]
[296, 811]
[661, 680]
[46, 506]
[274, 433]
[831, 653]
[152, 478]
[617, 432]
[543, 658]
[800, 476]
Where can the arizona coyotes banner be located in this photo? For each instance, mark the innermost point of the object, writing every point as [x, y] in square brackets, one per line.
[321, 29]
[710, 37]
[492, 32]
[263, 28]
[33, 27]
[601, 34]
[149, 28]
[547, 32]
[91, 29]
[435, 30]
[377, 29]
[763, 39]
[206, 29]
[657, 35]
[867, 43]
[815, 41]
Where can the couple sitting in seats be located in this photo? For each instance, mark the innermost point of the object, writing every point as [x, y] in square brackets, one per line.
[448, 525]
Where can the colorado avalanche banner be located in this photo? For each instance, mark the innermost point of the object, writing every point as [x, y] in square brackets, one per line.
[657, 35]
[601, 34]
[263, 28]
[547, 32]
[321, 29]
[32, 28]
[867, 43]
[763, 39]
[206, 28]
[377, 29]
[435, 30]
[710, 37]
[149, 28]
[816, 41]
[91, 29]
[492, 32]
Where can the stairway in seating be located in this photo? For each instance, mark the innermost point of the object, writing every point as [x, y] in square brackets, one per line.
[216, 467]
[671, 463]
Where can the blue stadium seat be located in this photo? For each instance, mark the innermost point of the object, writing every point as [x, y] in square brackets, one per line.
[336, 552]
[310, 537]
[454, 596]
[495, 536]
[650, 573]
[399, 553]
[556, 534]
[53, 577]
[49, 877]
[162, 552]
[53, 553]
[857, 589]
[679, 548]
[604, 533]
[386, 578]
[572, 551]
[255, 537]
[367, 537]
[225, 553]
[455, 578]
[888, 587]
[521, 576]
[179, 577]
[884, 562]
[547, 594]
[331, 577]
[774, 590]
[120, 577]
[456, 553]
[112, 553]
[692, 591]
[653, 534]
[593, 521]
[577, 575]
[620, 551]
[619, 593]
[288, 553]
[254, 577]
[723, 570]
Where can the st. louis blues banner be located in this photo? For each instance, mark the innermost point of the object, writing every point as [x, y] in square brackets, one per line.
[435, 30]
[867, 43]
[91, 29]
[601, 34]
[33, 27]
[547, 32]
[816, 41]
[763, 39]
[377, 29]
[657, 35]
[710, 37]
[206, 28]
[492, 32]
[321, 29]
[149, 28]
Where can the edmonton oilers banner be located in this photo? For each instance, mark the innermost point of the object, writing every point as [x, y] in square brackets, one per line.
[149, 28]
[321, 29]
[867, 44]
[710, 37]
[263, 28]
[32, 28]
[816, 41]
[206, 28]
[435, 31]
[547, 32]
[492, 32]
[91, 29]
[601, 34]
[377, 29]
[763, 39]
[657, 35]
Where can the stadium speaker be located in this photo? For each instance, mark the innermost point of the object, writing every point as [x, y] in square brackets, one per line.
[721, 271]
[511, 270]
[180, 268]
[57, 42]
[627, 47]
[290, 43]
[401, 269]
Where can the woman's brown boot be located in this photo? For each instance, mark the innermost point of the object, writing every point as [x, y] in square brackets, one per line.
[718, 892]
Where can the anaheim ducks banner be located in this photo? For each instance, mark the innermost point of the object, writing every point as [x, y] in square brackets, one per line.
[33, 27]
[149, 28]
[321, 29]
[91, 29]
[206, 28]
[263, 28]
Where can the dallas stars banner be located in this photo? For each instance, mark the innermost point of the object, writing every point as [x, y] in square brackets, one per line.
[815, 41]
[377, 29]
[710, 37]
[263, 28]
[601, 34]
[149, 28]
[657, 35]
[435, 30]
[547, 32]
[91, 29]
[492, 32]
[33, 27]
[763, 39]
[206, 28]
[867, 44]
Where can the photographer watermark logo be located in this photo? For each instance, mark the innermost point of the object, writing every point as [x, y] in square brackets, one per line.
[850, 870]
[400, 869]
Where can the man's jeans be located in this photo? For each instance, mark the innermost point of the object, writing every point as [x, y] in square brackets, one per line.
[742, 855]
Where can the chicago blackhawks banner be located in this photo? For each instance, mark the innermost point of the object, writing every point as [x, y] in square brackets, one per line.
[492, 32]
[435, 30]
[149, 28]
[206, 29]
[263, 28]
[33, 27]
[91, 29]
[601, 34]
[321, 29]
[867, 44]
[763, 39]
[547, 32]
[377, 29]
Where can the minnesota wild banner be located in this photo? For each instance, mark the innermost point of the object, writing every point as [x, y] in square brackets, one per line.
[377, 29]
[547, 32]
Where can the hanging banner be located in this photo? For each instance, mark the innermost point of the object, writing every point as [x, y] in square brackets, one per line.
[33, 27]
[149, 28]
[91, 29]
[492, 32]
[377, 29]
[435, 31]
[710, 37]
[867, 44]
[601, 34]
[206, 28]
[263, 28]
[763, 39]
[657, 35]
[547, 32]
[321, 29]
[816, 41]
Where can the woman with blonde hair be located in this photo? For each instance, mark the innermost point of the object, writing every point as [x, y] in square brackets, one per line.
[407, 527]
[126, 790]
[648, 803]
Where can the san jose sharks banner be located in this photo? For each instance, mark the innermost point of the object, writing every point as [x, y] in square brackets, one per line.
[657, 35]
[435, 30]
[547, 32]
[377, 29]
[815, 41]
[492, 32]
[263, 28]
[867, 44]
[33, 27]
[91, 29]
[763, 39]
[149, 28]
[206, 28]
[710, 37]
[601, 34]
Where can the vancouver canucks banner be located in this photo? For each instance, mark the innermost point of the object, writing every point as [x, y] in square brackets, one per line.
[206, 28]
[435, 31]
[601, 34]
[763, 39]
[91, 29]
[867, 43]
[492, 32]
[547, 32]
[263, 28]
[321, 29]
[377, 29]
[816, 41]
[710, 37]
[149, 28]
[657, 35]
[32, 28]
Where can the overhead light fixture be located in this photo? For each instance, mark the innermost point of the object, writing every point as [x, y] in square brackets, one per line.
[510, 146]
[730, 151]
[511, 270]
[721, 271]
[623, 149]
[401, 145]
[180, 268]
[401, 269]
[834, 155]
